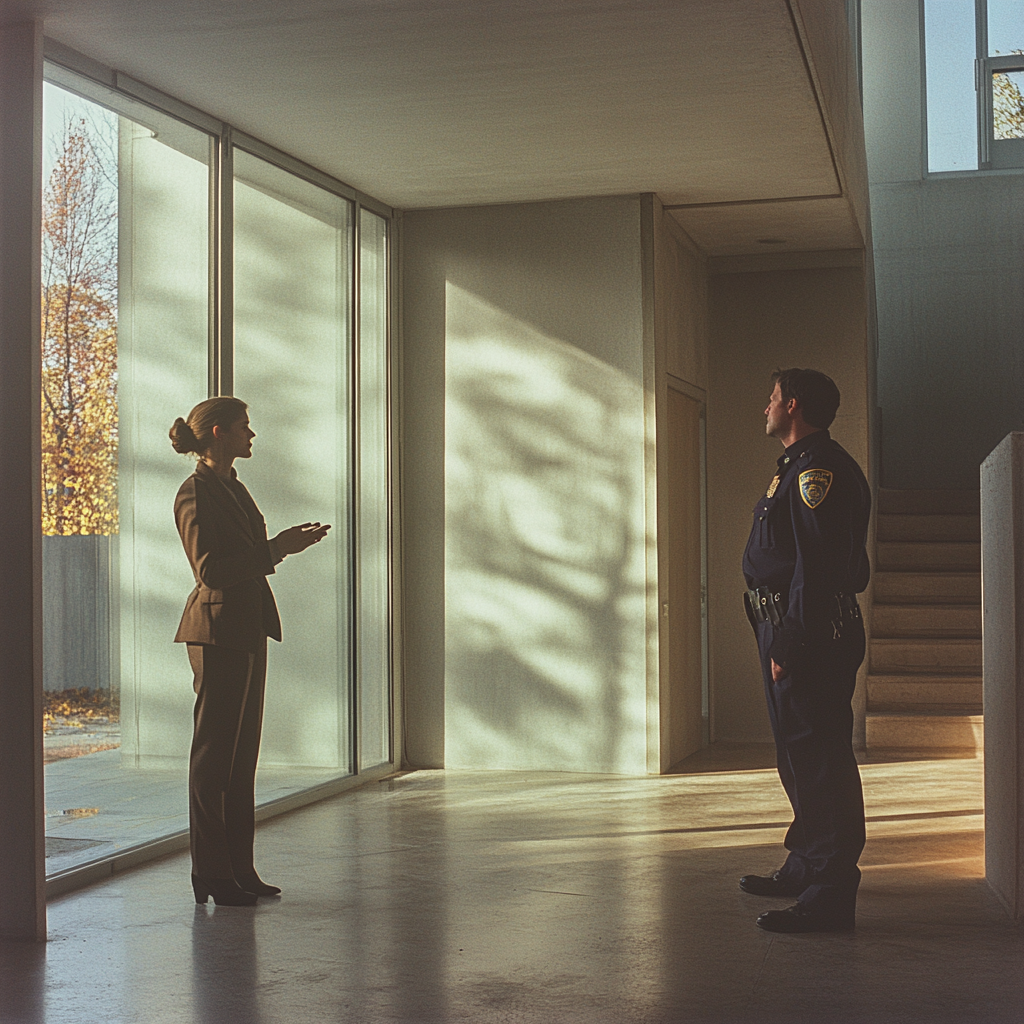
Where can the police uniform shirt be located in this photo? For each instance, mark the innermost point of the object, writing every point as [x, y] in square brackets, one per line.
[808, 540]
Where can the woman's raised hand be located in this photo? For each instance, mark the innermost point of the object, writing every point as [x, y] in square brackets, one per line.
[298, 538]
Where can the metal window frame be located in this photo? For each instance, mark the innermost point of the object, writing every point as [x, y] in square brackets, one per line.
[388, 481]
[993, 153]
[998, 155]
[130, 97]
[355, 464]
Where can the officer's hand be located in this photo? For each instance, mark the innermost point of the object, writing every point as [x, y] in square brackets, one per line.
[778, 672]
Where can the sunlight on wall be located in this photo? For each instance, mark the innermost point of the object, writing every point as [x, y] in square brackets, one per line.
[544, 551]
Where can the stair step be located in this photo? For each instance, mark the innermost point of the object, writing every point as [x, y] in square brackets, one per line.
[925, 556]
[910, 707]
[924, 691]
[926, 588]
[941, 528]
[924, 732]
[920, 621]
[928, 502]
[897, 656]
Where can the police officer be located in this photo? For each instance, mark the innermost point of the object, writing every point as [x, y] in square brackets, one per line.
[804, 564]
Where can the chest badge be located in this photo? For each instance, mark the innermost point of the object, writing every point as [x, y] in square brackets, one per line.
[814, 486]
[773, 487]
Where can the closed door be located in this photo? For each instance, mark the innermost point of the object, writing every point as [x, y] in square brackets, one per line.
[682, 699]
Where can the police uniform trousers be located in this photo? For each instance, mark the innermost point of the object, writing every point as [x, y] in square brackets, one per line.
[812, 720]
[228, 721]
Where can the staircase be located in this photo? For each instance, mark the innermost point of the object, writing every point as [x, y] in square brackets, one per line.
[924, 660]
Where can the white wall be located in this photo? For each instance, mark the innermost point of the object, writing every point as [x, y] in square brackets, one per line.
[949, 276]
[523, 487]
[813, 317]
[529, 641]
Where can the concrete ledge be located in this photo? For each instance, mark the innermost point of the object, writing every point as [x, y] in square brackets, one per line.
[1002, 535]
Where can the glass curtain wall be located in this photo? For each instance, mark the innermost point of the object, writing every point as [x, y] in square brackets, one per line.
[163, 327]
[125, 320]
[292, 327]
[130, 342]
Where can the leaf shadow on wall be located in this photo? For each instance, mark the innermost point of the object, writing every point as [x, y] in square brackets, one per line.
[544, 550]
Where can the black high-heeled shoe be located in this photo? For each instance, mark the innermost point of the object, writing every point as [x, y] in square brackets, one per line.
[225, 892]
[254, 884]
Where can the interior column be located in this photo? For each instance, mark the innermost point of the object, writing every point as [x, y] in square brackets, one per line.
[22, 842]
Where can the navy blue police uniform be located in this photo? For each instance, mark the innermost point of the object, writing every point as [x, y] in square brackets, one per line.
[804, 563]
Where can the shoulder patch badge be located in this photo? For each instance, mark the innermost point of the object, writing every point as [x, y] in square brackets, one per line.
[814, 486]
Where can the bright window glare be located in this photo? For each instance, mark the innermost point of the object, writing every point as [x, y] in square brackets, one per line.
[1005, 27]
[949, 66]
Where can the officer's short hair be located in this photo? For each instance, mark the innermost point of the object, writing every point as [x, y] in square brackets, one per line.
[816, 394]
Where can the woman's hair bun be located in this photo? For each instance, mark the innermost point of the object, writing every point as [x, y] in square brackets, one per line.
[196, 434]
[183, 439]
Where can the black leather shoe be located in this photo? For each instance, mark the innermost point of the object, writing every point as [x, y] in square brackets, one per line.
[770, 885]
[805, 918]
[224, 891]
[254, 884]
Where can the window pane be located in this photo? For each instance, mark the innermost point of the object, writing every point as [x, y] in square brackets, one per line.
[79, 426]
[1005, 27]
[950, 51]
[125, 320]
[1008, 105]
[292, 353]
[373, 648]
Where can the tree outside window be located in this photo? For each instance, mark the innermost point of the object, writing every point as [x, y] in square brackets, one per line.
[79, 329]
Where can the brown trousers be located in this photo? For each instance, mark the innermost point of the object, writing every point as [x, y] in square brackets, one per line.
[228, 719]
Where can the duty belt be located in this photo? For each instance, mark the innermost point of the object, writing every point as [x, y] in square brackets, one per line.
[767, 605]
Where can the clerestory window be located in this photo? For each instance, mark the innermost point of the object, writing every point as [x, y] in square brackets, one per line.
[974, 84]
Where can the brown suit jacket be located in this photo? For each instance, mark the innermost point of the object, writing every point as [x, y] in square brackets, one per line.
[225, 539]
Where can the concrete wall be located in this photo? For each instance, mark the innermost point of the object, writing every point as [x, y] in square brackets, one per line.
[81, 645]
[825, 33]
[524, 529]
[949, 278]
[759, 321]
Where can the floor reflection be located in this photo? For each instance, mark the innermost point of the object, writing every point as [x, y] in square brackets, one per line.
[537, 897]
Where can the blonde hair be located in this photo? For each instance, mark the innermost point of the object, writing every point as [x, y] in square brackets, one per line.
[195, 435]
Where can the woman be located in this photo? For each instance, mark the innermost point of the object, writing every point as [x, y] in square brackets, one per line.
[227, 619]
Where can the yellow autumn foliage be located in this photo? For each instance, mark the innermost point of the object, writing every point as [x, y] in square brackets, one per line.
[79, 327]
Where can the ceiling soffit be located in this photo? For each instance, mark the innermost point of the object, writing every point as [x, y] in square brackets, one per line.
[468, 101]
[788, 225]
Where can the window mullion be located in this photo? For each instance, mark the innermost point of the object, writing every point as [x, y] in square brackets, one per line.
[983, 84]
[222, 306]
[355, 464]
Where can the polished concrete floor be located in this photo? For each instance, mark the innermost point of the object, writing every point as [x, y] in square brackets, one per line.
[505, 897]
[98, 808]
